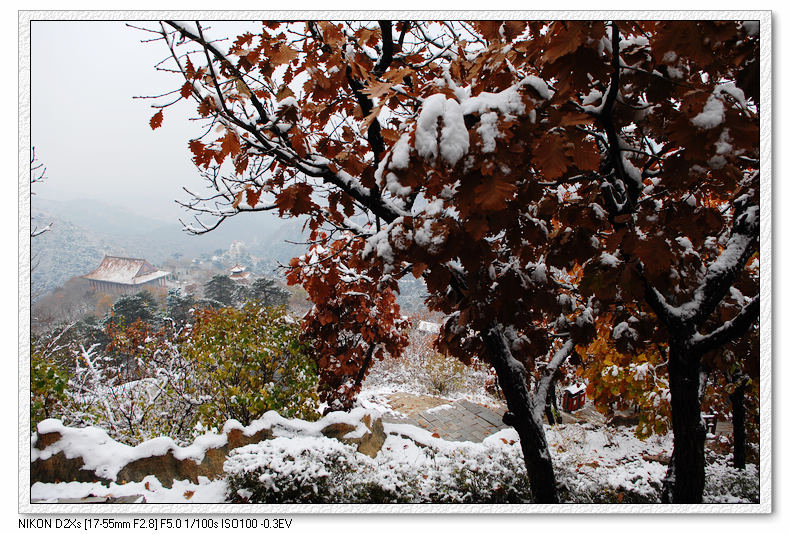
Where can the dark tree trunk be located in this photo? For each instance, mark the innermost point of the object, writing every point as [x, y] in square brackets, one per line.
[538, 460]
[549, 414]
[739, 426]
[551, 406]
[553, 393]
[512, 380]
[685, 478]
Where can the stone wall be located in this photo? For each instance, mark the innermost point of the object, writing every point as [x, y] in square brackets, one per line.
[63, 454]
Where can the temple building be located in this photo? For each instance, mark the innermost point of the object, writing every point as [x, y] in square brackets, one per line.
[126, 275]
[239, 273]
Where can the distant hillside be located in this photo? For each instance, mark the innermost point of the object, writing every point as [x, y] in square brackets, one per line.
[67, 250]
[84, 231]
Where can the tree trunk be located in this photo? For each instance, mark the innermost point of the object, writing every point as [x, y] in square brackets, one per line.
[538, 460]
[739, 426]
[512, 379]
[555, 408]
[549, 414]
[551, 406]
[685, 478]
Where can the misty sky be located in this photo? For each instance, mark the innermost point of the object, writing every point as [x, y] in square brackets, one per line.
[91, 134]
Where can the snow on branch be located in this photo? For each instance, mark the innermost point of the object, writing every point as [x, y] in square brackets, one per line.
[720, 275]
[38, 174]
[729, 330]
[549, 374]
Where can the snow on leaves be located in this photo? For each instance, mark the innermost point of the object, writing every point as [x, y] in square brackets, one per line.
[534, 174]
[453, 142]
[354, 318]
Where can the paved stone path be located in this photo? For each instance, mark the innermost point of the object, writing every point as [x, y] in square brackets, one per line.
[463, 420]
[454, 421]
[466, 421]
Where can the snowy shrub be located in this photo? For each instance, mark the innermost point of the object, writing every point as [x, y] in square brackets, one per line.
[599, 464]
[285, 470]
[443, 375]
[493, 476]
[630, 483]
[306, 469]
[247, 362]
[133, 397]
[48, 382]
[727, 484]
[148, 381]
[424, 371]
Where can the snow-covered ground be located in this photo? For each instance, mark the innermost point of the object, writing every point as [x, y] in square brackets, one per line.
[594, 463]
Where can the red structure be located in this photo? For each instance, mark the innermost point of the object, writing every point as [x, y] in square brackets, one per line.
[574, 397]
[126, 275]
[239, 274]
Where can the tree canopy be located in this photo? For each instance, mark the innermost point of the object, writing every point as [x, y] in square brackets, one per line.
[539, 176]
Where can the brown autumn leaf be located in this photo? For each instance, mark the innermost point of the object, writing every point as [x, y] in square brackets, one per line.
[186, 90]
[284, 92]
[566, 37]
[230, 143]
[575, 118]
[237, 199]
[156, 120]
[206, 107]
[240, 163]
[284, 54]
[242, 88]
[494, 192]
[202, 155]
[377, 89]
[550, 157]
[513, 28]
[369, 119]
[295, 199]
[586, 156]
[489, 29]
[397, 76]
[253, 196]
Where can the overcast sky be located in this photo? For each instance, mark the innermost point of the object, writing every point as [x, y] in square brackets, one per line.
[90, 132]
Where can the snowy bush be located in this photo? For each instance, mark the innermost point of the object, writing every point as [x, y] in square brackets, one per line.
[306, 469]
[249, 361]
[422, 370]
[442, 375]
[495, 475]
[285, 470]
[133, 399]
[47, 387]
[600, 464]
[148, 382]
[727, 484]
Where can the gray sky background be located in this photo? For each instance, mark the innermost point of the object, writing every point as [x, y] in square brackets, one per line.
[91, 134]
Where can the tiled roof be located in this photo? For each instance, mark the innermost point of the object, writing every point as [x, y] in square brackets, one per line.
[130, 271]
[576, 388]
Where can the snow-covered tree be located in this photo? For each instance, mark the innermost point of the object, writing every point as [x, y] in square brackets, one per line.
[221, 289]
[269, 292]
[536, 175]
